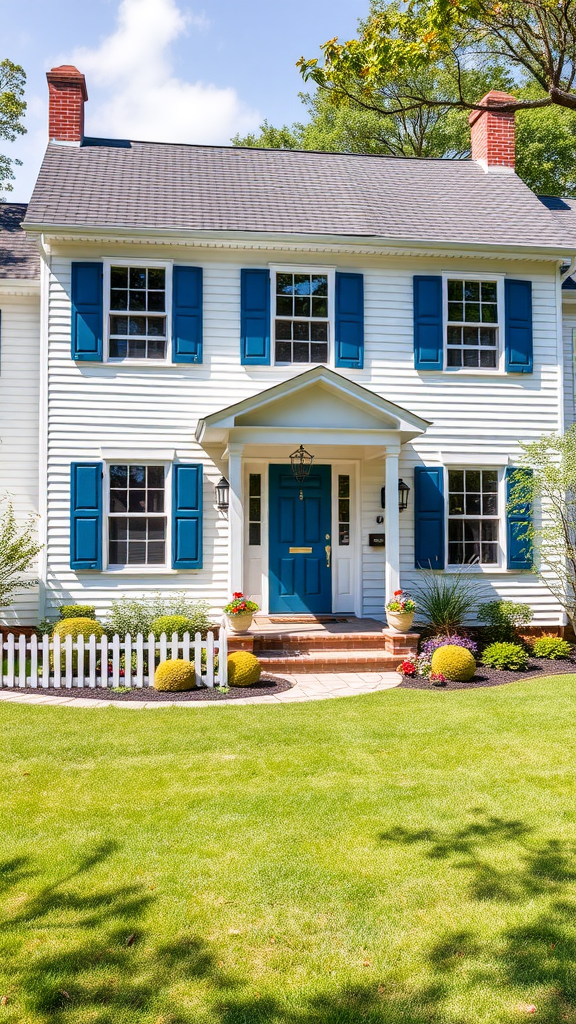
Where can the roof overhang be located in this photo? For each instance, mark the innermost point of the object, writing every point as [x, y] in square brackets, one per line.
[318, 406]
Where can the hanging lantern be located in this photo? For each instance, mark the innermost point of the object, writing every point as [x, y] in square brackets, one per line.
[222, 491]
[301, 462]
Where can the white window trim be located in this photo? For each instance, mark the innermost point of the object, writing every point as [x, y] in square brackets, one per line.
[138, 570]
[297, 268]
[467, 371]
[166, 265]
[500, 565]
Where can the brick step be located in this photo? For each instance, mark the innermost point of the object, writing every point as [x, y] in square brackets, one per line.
[303, 642]
[329, 661]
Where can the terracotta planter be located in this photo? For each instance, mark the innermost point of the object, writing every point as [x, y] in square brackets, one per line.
[400, 621]
[240, 623]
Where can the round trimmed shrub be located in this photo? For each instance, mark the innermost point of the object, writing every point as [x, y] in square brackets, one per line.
[455, 663]
[77, 611]
[170, 624]
[174, 675]
[243, 669]
[81, 626]
[551, 647]
[506, 657]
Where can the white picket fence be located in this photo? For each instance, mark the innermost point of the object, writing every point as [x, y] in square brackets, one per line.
[107, 662]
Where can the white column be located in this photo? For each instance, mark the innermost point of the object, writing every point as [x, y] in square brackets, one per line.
[392, 525]
[235, 519]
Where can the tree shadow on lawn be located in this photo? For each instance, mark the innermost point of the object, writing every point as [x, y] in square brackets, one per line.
[77, 951]
[536, 956]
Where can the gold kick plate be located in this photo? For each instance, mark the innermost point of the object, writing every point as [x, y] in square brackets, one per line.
[300, 551]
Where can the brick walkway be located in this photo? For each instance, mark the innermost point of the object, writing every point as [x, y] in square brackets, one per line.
[306, 687]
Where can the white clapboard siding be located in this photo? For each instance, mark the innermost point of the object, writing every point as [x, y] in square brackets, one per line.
[19, 424]
[157, 407]
[107, 663]
[568, 328]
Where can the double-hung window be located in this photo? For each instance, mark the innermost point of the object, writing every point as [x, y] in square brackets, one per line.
[137, 515]
[301, 317]
[473, 517]
[472, 332]
[137, 319]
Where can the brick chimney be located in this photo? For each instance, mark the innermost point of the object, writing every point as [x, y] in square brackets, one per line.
[493, 133]
[68, 94]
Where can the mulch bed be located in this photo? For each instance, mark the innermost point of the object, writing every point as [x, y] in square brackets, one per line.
[494, 677]
[147, 694]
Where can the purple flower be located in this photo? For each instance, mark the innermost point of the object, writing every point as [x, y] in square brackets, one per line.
[435, 642]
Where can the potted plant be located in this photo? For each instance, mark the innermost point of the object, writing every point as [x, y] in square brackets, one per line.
[239, 612]
[400, 611]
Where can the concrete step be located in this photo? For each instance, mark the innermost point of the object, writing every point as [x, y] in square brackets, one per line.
[370, 660]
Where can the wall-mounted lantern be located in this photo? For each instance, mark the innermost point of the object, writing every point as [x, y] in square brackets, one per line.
[222, 491]
[403, 492]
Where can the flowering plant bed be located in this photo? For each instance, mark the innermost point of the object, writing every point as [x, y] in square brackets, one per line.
[495, 677]
[271, 685]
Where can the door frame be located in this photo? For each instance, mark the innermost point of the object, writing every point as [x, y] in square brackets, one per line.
[256, 581]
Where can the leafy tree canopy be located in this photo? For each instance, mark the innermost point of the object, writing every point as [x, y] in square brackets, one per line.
[12, 109]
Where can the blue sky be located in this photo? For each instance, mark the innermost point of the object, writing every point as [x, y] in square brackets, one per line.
[168, 70]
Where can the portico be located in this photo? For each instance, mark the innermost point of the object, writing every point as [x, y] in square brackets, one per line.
[301, 548]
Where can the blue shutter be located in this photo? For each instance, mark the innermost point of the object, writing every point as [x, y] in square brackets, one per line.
[428, 326]
[255, 317]
[429, 517]
[86, 515]
[350, 321]
[87, 311]
[187, 516]
[187, 315]
[518, 326]
[518, 522]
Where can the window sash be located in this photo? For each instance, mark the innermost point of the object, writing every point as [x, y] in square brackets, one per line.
[497, 349]
[147, 338]
[465, 538]
[148, 517]
[309, 271]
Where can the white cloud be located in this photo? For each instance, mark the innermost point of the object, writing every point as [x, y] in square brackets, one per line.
[137, 95]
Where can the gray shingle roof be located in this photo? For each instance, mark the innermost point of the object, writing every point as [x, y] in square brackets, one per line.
[19, 256]
[564, 210]
[121, 184]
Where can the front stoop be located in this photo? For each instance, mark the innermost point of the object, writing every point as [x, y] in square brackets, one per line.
[322, 651]
[401, 645]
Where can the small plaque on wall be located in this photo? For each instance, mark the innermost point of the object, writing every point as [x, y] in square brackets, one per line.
[377, 540]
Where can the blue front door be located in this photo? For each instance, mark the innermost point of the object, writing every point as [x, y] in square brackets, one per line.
[300, 543]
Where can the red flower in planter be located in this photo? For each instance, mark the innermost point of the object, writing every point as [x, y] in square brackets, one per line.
[238, 593]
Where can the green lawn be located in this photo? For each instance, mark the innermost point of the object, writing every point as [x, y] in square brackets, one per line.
[407, 856]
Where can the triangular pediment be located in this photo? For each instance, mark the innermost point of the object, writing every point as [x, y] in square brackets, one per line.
[318, 399]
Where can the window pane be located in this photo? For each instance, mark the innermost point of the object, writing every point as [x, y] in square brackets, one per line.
[301, 330]
[301, 306]
[455, 290]
[470, 335]
[137, 476]
[473, 505]
[343, 535]
[455, 530]
[283, 330]
[489, 480]
[284, 284]
[343, 486]
[137, 277]
[155, 476]
[456, 504]
[487, 336]
[454, 357]
[137, 325]
[137, 501]
[255, 484]
[455, 554]
[118, 476]
[118, 348]
[344, 510]
[302, 284]
[118, 501]
[118, 325]
[489, 293]
[318, 353]
[489, 314]
[119, 277]
[319, 332]
[490, 505]
[473, 480]
[471, 357]
[320, 307]
[137, 301]
[488, 359]
[489, 554]
[472, 291]
[301, 352]
[254, 509]
[117, 552]
[156, 553]
[284, 305]
[155, 501]
[456, 479]
[156, 302]
[157, 278]
[136, 349]
[254, 531]
[156, 529]
[455, 311]
[283, 352]
[118, 299]
[319, 284]
[472, 312]
[454, 335]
